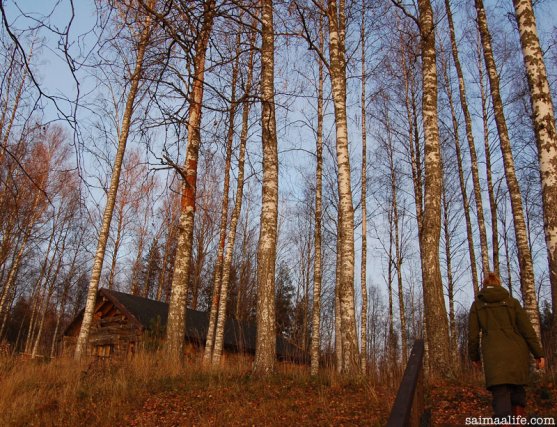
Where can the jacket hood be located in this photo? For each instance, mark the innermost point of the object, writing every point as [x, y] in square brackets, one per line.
[493, 294]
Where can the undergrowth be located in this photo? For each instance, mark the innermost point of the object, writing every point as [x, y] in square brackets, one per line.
[63, 391]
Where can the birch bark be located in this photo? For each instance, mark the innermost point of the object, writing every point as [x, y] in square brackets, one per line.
[434, 301]
[544, 128]
[363, 269]
[81, 345]
[337, 69]
[462, 182]
[450, 281]
[471, 144]
[524, 254]
[265, 349]
[488, 172]
[395, 220]
[48, 296]
[176, 326]
[37, 211]
[317, 262]
[227, 263]
[217, 279]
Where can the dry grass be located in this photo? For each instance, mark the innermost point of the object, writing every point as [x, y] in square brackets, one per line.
[61, 391]
[149, 391]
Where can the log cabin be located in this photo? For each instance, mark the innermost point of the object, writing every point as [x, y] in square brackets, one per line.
[124, 324]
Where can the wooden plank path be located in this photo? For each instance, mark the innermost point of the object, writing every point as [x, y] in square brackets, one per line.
[408, 408]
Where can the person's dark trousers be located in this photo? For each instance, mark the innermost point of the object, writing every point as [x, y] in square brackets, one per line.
[505, 397]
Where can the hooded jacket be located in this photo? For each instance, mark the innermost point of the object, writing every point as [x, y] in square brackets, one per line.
[507, 337]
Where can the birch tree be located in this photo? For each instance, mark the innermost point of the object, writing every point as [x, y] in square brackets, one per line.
[135, 79]
[176, 325]
[462, 180]
[434, 302]
[265, 347]
[345, 314]
[488, 168]
[336, 15]
[317, 262]
[471, 144]
[544, 128]
[217, 274]
[227, 261]
[363, 269]
[524, 255]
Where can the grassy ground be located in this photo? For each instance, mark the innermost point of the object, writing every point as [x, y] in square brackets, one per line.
[149, 392]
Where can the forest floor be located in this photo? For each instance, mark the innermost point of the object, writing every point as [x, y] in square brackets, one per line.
[284, 401]
[148, 392]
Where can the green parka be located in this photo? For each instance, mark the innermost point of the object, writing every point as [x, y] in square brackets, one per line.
[507, 337]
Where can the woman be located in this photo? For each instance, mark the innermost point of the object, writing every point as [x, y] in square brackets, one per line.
[507, 340]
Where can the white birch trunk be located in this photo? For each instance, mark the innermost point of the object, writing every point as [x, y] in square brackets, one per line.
[363, 267]
[337, 21]
[221, 321]
[217, 275]
[524, 255]
[398, 246]
[176, 326]
[462, 182]
[48, 296]
[450, 281]
[489, 175]
[471, 144]
[265, 350]
[83, 337]
[317, 262]
[14, 268]
[544, 127]
[434, 302]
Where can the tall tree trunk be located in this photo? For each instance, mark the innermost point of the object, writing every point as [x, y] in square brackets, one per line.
[337, 69]
[398, 244]
[471, 144]
[462, 182]
[363, 270]
[391, 338]
[40, 298]
[176, 327]
[434, 301]
[338, 321]
[67, 285]
[544, 128]
[527, 284]
[48, 296]
[135, 78]
[14, 268]
[117, 242]
[506, 245]
[489, 174]
[217, 275]
[243, 276]
[450, 281]
[317, 262]
[6, 135]
[227, 262]
[265, 350]
[35, 295]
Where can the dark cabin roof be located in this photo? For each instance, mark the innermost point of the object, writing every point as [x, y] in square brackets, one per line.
[152, 316]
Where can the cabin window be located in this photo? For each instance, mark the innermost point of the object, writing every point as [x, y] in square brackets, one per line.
[103, 350]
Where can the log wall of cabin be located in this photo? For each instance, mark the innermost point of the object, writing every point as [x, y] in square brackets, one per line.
[112, 334]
